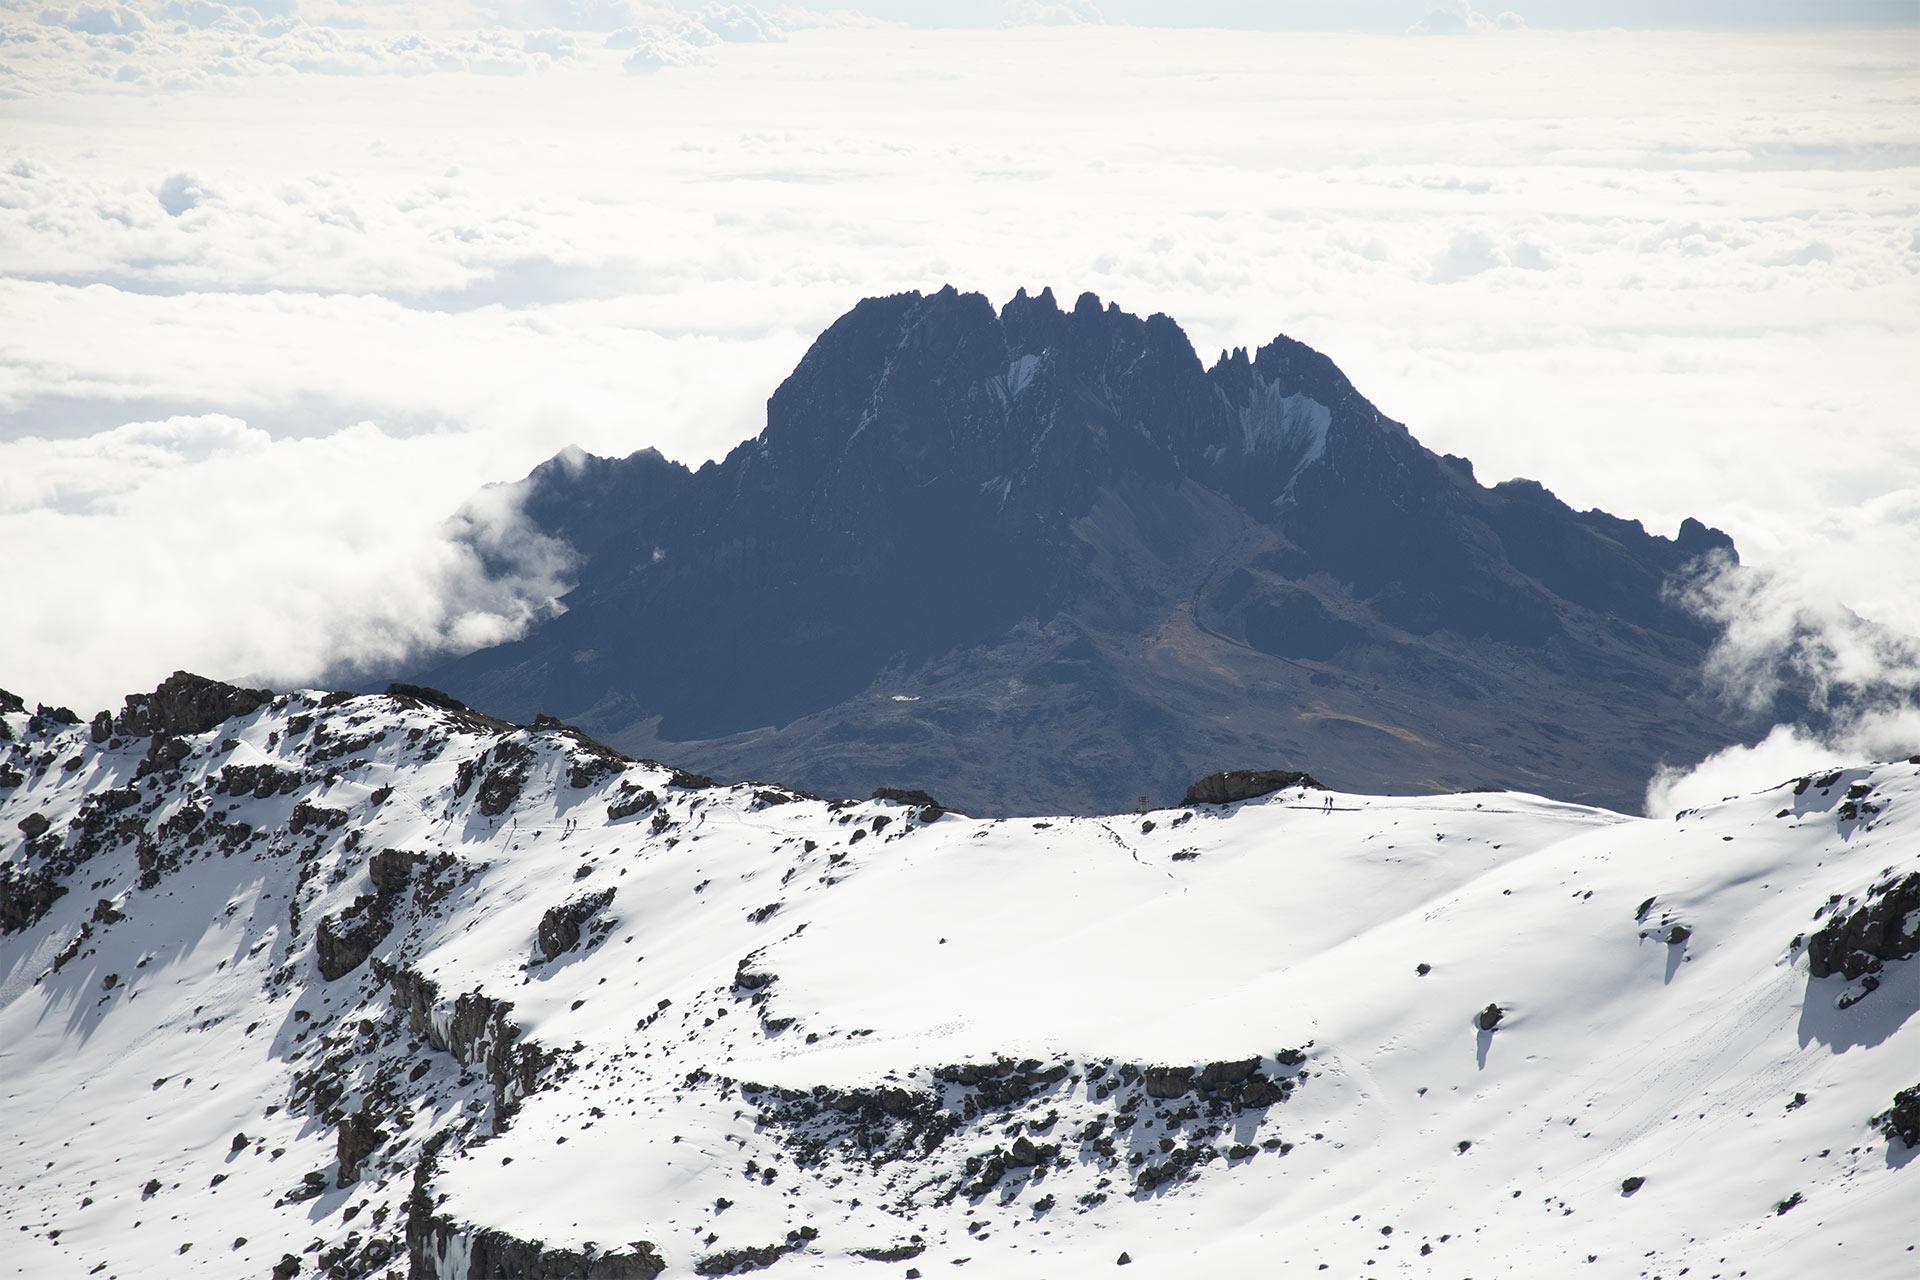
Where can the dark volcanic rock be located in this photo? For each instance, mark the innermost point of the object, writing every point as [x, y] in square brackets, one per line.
[929, 809]
[1244, 784]
[559, 930]
[315, 817]
[392, 869]
[1489, 1018]
[345, 939]
[1221, 1075]
[502, 772]
[491, 1253]
[951, 502]
[1860, 941]
[187, 704]
[732, 1261]
[629, 801]
[1902, 1119]
[25, 896]
[257, 780]
[358, 1138]
[1168, 1082]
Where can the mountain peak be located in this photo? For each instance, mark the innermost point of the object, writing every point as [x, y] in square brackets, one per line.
[1036, 559]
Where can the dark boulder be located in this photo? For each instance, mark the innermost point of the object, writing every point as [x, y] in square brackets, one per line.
[1235, 785]
[1489, 1018]
[747, 978]
[165, 754]
[1259, 1093]
[490, 1252]
[1882, 928]
[1169, 1082]
[358, 1138]
[260, 781]
[502, 771]
[34, 825]
[629, 801]
[930, 810]
[1216, 1076]
[345, 939]
[187, 704]
[314, 817]
[391, 869]
[753, 1258]
[421, 695]
[26, 896]
[1025, 1152]
[559, 930]
[1902, 1119]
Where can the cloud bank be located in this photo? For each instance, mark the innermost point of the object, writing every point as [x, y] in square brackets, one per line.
[1576, 258]
[261, 559]
[1788, 641]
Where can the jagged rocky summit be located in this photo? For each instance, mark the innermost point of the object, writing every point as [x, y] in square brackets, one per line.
[1046, 560]
[322, 985]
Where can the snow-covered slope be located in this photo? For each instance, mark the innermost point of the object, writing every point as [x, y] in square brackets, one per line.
[593, 1017]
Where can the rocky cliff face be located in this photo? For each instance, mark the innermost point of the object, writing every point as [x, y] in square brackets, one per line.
[1045, 559]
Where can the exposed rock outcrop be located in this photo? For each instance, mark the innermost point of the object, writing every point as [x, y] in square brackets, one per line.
[928, 809]
[477, 1031]
[1863, 939]
[186, 704]
[392, 869]
[1902, 1119]
[347, 938]
[559, 930]
[358, 1138]
[443, 1250]
[25, 896]
[1235, 785]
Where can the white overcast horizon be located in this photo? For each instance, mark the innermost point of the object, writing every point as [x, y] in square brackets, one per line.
[284, 285]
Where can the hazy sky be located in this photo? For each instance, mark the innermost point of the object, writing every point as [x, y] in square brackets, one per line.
[283, 286]
[1397, 15]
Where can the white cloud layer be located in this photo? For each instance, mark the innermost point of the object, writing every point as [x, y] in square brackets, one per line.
[1667, 275]
[1792, 638]
[260, 558]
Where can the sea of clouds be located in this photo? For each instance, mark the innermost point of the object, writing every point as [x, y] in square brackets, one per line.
[286, 285]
